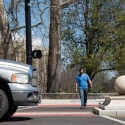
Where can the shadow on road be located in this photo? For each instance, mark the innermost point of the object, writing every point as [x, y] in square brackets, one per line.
[16, 119]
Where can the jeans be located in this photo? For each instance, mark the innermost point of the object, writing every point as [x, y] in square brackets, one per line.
[83, 96]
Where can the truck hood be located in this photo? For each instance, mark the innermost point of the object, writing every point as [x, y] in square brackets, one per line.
[10, 63]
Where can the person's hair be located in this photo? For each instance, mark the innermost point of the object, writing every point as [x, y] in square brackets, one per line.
[81, 69]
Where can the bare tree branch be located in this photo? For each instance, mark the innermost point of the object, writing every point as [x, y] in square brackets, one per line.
[67, 3]
[106, 69]
[36, 25]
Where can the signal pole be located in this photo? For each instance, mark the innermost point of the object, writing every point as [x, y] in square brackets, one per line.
[28, 33]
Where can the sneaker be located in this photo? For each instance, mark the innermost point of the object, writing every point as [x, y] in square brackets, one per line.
[85, 107]
[81, 107]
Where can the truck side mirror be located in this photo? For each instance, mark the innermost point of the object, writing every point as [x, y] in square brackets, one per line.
[36, 54]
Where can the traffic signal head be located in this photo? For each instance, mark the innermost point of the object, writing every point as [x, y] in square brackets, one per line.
[36, 54]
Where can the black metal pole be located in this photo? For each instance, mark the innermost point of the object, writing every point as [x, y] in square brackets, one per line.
[28, 33]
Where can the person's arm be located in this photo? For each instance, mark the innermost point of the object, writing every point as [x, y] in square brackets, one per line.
[76, 87]
[90, 83]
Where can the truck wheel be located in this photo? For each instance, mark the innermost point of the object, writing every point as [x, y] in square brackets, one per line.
[4, 103]
[11, 111]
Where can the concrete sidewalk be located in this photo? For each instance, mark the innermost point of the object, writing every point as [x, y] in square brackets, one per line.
[70, 102]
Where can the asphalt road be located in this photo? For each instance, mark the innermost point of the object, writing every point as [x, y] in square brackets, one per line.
[60, 115]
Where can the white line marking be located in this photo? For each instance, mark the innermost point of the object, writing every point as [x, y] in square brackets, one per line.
[26, 108]
[113, 119]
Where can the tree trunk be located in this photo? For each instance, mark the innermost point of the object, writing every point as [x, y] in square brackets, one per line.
[8, 48]
[87, 28]
[54, 59]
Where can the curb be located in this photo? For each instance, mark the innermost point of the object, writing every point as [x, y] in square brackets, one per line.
[67, 105]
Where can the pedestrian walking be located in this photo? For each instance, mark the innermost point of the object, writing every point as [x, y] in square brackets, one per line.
[82, 81]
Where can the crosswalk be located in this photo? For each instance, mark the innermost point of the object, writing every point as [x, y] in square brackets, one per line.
[54, 110]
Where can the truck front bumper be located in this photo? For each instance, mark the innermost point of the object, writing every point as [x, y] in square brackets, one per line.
[25, 94]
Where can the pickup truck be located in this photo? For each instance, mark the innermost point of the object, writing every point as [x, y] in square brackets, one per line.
[18, 87]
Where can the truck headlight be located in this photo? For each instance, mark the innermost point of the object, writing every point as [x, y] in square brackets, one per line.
[20, 78]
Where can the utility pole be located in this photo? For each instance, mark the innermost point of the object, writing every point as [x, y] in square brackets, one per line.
[28, 33]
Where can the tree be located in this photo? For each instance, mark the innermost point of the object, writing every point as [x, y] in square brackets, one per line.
[5, 32]
[54, 59]
[91, 37]
[102, 83]
[15, 15]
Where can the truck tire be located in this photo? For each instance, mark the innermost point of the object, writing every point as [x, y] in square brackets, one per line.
[11, 111]
[4, 103]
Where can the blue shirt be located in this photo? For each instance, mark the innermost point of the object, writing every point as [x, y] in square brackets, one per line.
[82, 80]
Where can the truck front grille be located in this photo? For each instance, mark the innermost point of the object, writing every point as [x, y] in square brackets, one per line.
[34, 78]
[34, 82]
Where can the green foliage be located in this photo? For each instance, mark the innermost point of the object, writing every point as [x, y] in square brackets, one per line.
[93, 35]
